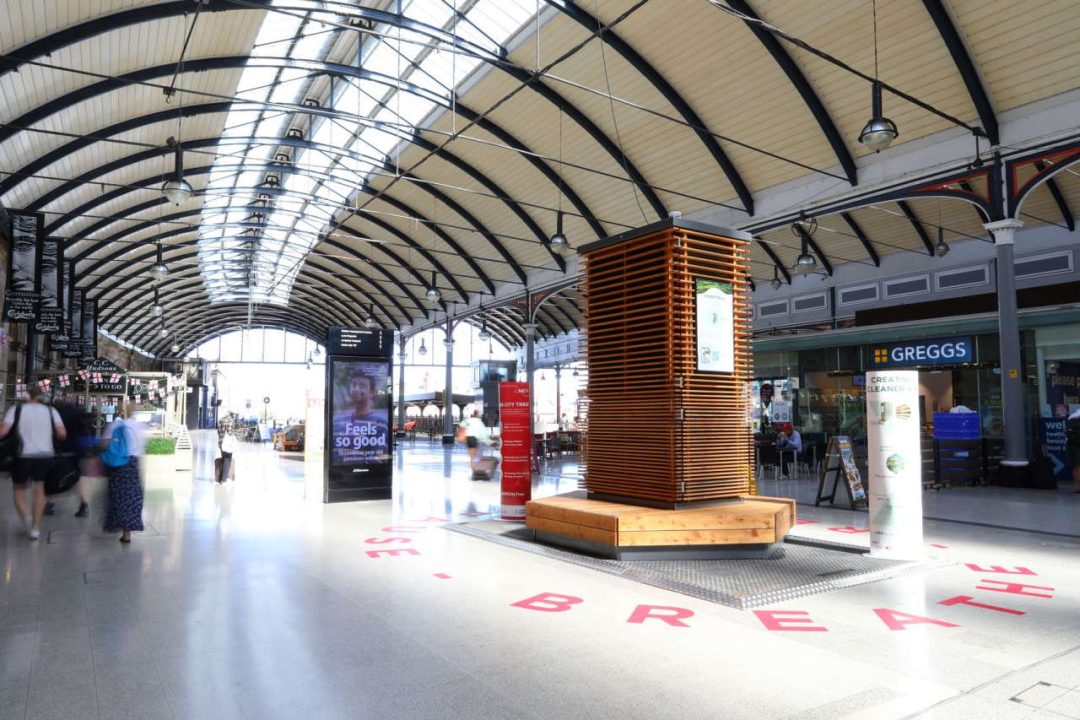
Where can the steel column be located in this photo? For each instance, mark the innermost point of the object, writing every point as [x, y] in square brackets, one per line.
[1012, 396]
[401, 387]
[448, 394]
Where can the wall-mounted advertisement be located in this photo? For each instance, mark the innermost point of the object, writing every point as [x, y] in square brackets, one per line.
[89, 328]
[22, 297]
[74, 345]
[715, 302]
[358, 444]
[894, 463]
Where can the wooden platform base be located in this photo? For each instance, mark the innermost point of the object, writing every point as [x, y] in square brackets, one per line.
[752, 522]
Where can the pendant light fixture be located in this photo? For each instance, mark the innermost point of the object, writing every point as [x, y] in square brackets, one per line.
[776, 281]
[157, 310]
[370, 322]
[805, 263]
[879, 131]
[423, 348]
[942, 248]
[164, 331]
[159, 272]
[175, 349]
[176, 188]
[557, 243]
[433, 293]
[484, 334]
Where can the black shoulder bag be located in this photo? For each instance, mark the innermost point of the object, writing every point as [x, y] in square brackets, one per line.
[11, 444]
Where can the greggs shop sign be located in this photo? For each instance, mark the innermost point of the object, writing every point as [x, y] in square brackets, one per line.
[948, 351]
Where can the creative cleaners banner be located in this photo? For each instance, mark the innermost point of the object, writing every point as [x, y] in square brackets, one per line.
[51, 284]
[516, 448]
[22, 298]
[894, 464]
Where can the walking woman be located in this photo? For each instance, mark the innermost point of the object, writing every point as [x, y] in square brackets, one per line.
[36, 424]
[123, 443]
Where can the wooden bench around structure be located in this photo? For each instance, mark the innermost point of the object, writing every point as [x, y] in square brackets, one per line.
[748, 526]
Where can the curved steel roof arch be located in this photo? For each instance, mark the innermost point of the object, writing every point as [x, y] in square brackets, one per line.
[143, 330]
[225, 319]
[806, 91]
[117, 256]
[234, 62]
[191, 172]
[668, 91]
[116, 282]
[498, 60]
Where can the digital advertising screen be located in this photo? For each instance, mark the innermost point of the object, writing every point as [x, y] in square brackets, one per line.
[358, 447]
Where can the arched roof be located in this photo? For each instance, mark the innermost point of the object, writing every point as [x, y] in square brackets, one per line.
[390, 141]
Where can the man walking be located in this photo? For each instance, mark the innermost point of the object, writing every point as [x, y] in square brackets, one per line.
[37, 425]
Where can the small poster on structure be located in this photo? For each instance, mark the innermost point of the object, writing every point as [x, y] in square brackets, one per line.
[715, 325]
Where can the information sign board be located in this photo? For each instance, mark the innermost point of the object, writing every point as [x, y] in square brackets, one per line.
[516, 448]
[715, 303]
[894, 463]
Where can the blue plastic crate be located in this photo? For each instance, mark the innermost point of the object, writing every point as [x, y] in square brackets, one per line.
[957, 426]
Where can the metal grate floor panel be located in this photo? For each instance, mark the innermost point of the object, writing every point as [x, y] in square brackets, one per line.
[795, 570]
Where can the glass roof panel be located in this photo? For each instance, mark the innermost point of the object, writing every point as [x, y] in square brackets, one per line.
[240, 265]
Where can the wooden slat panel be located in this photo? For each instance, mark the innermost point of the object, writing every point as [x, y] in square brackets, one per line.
[658, 429]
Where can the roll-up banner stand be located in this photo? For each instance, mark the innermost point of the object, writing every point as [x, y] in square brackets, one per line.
[894, 464]
[516, 449]
[22, 297]
[51, 284]
[358, 462]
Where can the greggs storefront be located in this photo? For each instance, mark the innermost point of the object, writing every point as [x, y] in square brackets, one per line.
[823, 375]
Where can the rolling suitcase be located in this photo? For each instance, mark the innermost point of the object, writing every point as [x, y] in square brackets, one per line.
[485, 468]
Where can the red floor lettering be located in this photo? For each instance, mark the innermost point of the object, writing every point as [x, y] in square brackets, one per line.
[393, 553]
[999, 569]
[775, 620]
[548, 602]
[442, 576]
[1015, 588]
[968, 600]
[850, 530]
[898, 620]
[403, 528]
[807, 522]
[938, 546]
[673, 616]
[387, 541]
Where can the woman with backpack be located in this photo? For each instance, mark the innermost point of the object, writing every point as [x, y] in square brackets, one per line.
[123, 443]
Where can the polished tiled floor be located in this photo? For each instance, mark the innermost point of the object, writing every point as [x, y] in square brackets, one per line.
[254, 600]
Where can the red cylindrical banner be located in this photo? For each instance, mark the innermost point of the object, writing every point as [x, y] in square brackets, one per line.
[516, 449]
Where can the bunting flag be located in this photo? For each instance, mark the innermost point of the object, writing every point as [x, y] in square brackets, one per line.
[114, 378]
[84, 374]
[96, 378]
[64, 380]
[20, 390]
[153, 384]
[44, 384]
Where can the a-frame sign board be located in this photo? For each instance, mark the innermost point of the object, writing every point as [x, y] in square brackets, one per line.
[840, 465]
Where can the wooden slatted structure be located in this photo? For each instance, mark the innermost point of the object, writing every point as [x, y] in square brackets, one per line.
[660, 430]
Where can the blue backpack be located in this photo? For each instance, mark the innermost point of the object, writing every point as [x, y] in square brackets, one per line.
[117, 454]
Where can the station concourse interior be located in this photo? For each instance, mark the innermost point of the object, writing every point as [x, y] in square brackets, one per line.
[310, 244]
